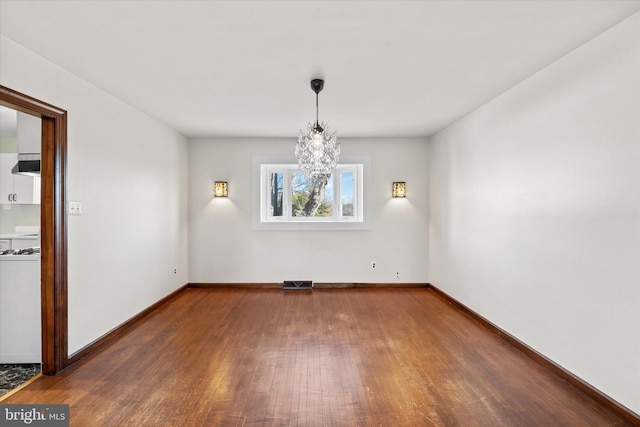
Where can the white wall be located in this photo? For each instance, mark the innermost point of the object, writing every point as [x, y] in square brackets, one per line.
[130, 173]
[534, 212]
[223, 247]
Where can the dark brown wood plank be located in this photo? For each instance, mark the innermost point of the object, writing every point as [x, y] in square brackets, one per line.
[323, 357]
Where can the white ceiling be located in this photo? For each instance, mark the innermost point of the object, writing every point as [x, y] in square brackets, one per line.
[242, 68]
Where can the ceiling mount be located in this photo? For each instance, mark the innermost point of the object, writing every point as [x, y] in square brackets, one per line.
[317, 85]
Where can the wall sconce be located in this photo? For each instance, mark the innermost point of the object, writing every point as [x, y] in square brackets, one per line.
[399, 189]
[220, 189]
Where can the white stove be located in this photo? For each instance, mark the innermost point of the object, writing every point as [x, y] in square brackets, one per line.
[20, 306]
[22, 245]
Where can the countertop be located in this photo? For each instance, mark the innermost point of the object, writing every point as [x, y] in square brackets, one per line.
[30, 236]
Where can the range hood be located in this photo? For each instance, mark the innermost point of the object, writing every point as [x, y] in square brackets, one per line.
[28, 164]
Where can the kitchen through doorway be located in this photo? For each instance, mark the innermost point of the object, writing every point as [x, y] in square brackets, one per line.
[20, 265]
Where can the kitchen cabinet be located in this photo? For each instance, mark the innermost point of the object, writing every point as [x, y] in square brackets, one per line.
[17, 189]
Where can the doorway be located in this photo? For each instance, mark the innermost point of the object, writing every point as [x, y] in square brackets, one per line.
[53, 234]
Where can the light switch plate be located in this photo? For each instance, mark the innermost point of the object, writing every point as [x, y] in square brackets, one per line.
[75, 208]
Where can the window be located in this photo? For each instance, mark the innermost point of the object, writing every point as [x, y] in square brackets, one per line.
[288, 196]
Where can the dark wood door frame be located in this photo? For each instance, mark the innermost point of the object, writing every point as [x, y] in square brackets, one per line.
[53, 225]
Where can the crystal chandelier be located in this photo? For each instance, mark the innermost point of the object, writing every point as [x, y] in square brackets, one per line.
[317, 150]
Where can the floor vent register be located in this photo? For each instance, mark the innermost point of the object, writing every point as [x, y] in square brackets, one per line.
[297, 284]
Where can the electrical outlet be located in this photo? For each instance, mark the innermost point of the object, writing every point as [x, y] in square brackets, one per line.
[373, 264]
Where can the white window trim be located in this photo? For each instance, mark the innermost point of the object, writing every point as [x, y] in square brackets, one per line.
[260, 193]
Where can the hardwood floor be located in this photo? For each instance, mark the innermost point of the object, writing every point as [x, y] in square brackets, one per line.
[333, 357]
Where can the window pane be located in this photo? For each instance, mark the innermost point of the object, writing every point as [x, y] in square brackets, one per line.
[311, 197]
[276, 204]
[346, 187]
